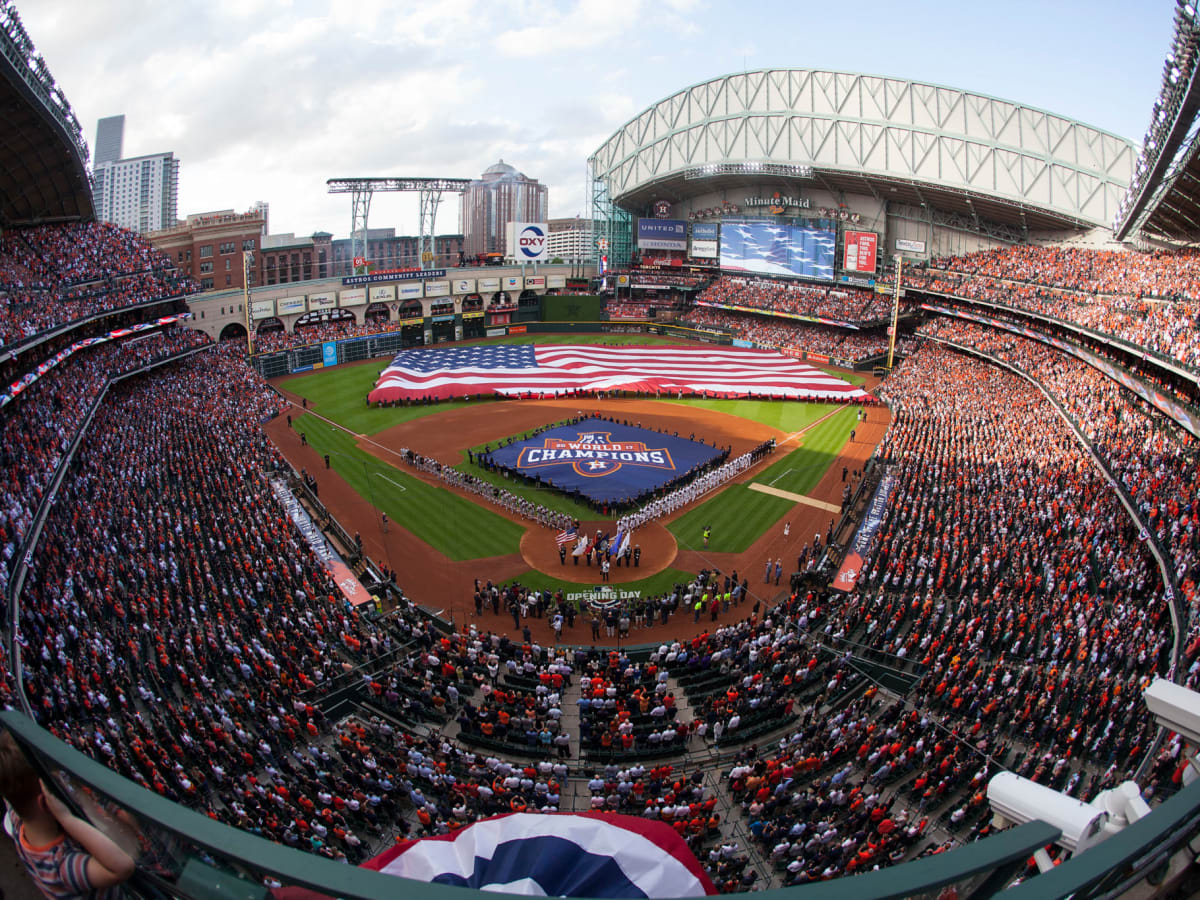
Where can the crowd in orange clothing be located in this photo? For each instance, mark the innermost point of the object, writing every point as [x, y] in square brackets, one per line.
[1153, 457]
[54, 274]
[840, 302]
[1152, 300]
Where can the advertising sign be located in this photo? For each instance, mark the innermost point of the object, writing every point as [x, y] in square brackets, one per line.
[860, 251]
[910, 246]
[706, 240]
[413, 290]
[489, 284]
[393, 275]
[556, 281]
[464, 286]
[535, 281]
[528, 241]
[662, 234]
[437, 289]
[329, 353]
[383, 293]
[317, 302]
[286, 305]
[513, 282]
[355, 297]
[262, 309]
[860, 550]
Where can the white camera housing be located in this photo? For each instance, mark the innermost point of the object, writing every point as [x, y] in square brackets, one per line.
[1016, 800]
[1174, 707]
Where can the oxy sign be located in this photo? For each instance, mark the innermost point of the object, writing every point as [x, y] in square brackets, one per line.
[529, 241]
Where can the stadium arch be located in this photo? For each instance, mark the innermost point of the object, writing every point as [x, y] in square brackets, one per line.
[939, 168]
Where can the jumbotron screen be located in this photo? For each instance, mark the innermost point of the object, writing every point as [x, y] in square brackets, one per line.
[777, 247]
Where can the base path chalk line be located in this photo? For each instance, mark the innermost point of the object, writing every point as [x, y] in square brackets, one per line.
[389, 481]
[795, 498]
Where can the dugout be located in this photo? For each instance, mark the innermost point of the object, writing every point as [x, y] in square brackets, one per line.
[412, 332]
[472, 317]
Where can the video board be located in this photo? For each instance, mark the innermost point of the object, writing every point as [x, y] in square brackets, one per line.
[778, 247]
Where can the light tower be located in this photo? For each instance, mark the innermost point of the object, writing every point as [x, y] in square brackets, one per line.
[429, 192]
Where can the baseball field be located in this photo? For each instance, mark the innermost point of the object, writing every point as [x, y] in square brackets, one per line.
[440, 539]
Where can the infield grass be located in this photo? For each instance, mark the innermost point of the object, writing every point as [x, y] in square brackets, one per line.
[738, 515]
[452, 525]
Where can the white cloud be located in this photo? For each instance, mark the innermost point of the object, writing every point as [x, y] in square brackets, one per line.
[266, 99]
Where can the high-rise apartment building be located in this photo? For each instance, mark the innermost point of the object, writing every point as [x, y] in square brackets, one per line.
[501, 195]
[141, 193]
[110, 139]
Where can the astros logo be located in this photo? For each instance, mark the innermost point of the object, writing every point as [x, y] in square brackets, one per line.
[594, 455]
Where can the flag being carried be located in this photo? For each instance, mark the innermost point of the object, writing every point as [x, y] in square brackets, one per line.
[566, 536]
[516, 369]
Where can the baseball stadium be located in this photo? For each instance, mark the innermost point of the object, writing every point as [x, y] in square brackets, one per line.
[831, 532]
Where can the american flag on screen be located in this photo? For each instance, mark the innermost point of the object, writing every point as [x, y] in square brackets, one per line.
[560, 368]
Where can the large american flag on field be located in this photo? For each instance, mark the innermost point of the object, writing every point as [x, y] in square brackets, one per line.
[554, 369]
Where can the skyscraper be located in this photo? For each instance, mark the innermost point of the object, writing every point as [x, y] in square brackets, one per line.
[110, 138]
[140, 193]
[501, 195]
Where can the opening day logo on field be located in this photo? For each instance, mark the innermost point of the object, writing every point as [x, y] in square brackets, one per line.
[594, 454]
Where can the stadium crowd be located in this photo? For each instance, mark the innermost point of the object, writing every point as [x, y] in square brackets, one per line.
[304, 335]
[54, 274]
[840, 302]
[181, 630]
[1151, 300]
[1152, 456]
[836, 343]
[38, 425]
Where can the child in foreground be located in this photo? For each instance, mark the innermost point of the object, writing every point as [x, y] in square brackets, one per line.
[66, 857]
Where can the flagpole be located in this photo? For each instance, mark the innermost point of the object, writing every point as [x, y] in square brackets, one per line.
[895, 311]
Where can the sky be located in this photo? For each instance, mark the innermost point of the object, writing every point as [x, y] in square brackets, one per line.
[267, 99]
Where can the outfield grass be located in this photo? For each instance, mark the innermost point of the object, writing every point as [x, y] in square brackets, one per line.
[452, 525]
[340, 393]
[848, 377]
[802, 469]
[786, 415]
[738, 515]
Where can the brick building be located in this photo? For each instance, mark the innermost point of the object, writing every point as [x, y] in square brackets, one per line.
[209, 246]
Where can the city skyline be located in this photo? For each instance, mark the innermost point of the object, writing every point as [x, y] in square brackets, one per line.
[266, 100]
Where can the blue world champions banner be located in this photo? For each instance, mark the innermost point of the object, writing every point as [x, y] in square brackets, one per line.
[605, 461]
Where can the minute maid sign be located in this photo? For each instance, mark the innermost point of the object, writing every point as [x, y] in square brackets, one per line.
[594, 455]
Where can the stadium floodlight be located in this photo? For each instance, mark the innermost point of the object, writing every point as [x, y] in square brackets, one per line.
[785, 170]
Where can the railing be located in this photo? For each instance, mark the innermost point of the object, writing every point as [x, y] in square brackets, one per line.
[192, 856]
